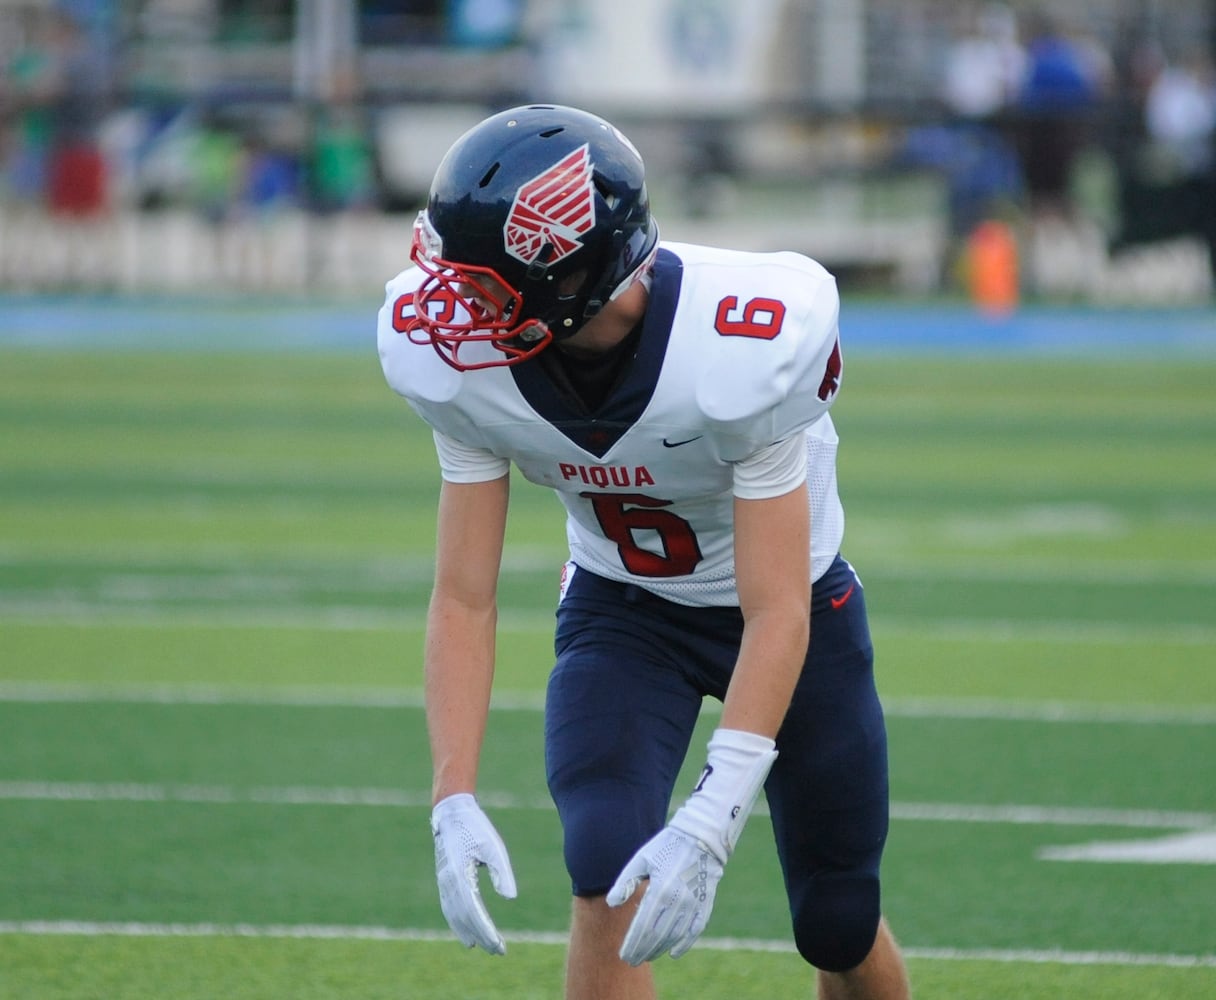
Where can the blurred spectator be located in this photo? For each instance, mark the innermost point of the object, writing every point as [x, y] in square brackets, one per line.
[343, 183]
[272, 178]
[1062, 86]
[270, 190]
[217, 161]
[343, 172]
[216, 167]
[1180, 116]
[61, 84]
[982, 72]
[980, 167]
[77, 180]
[341, 163]
[29, 91]
[984, 68]
[1179, 172]
[985, 64]
[484, 23]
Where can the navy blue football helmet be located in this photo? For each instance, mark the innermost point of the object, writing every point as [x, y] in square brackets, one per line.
[536, 217]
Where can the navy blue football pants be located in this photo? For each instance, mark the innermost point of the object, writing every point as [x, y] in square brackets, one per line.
[631, 672]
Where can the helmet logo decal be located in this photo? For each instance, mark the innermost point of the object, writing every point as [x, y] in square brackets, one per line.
[557, 207]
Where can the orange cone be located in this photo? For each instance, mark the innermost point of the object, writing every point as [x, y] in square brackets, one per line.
[992, 255]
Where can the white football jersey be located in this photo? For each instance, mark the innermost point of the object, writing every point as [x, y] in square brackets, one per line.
[727, 395]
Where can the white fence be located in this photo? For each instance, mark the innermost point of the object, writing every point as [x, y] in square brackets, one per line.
[176, 252]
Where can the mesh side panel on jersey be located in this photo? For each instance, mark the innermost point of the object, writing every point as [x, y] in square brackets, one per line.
[827, 515]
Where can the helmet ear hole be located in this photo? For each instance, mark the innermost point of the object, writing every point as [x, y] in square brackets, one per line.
[605, 192]
[571, 283]
[539, 267]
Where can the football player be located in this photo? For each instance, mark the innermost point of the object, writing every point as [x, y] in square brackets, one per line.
[676, 398]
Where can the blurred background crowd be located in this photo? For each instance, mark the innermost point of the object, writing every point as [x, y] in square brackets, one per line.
[269, 145]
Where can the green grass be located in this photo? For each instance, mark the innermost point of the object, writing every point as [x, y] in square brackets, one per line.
[213, 570]
[141, 969]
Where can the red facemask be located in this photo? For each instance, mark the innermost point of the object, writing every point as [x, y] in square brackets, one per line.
[459, 304]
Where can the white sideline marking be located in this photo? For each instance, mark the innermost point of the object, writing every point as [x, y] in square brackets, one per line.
[332, 932]
[935, 812]
[521, 701]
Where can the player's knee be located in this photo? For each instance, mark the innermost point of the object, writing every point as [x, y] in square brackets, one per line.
[600, 834]
[836, 922]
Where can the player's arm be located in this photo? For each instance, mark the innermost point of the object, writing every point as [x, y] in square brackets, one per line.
[459, 667]
[461, 624]
[772, 567]
[772, 541]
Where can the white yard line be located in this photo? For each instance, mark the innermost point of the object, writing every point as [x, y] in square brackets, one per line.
[1069, 632]
[539, 557]
[1033, 815]
[1049, 711]
[345, 697]
[84, 791]
[1052, 956]
[332, 932]
[290, 795]
[72, 610]
[418, 567]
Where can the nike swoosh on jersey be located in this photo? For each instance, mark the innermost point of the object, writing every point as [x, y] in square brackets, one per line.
[843, 599]
[676, 444]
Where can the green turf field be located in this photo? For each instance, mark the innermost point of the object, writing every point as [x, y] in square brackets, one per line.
[213, 770]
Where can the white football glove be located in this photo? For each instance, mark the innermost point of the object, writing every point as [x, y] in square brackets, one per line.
[684, 861]
[465, 840]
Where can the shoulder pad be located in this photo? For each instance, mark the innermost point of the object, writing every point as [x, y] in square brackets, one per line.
[413, 370]
[772, 362]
